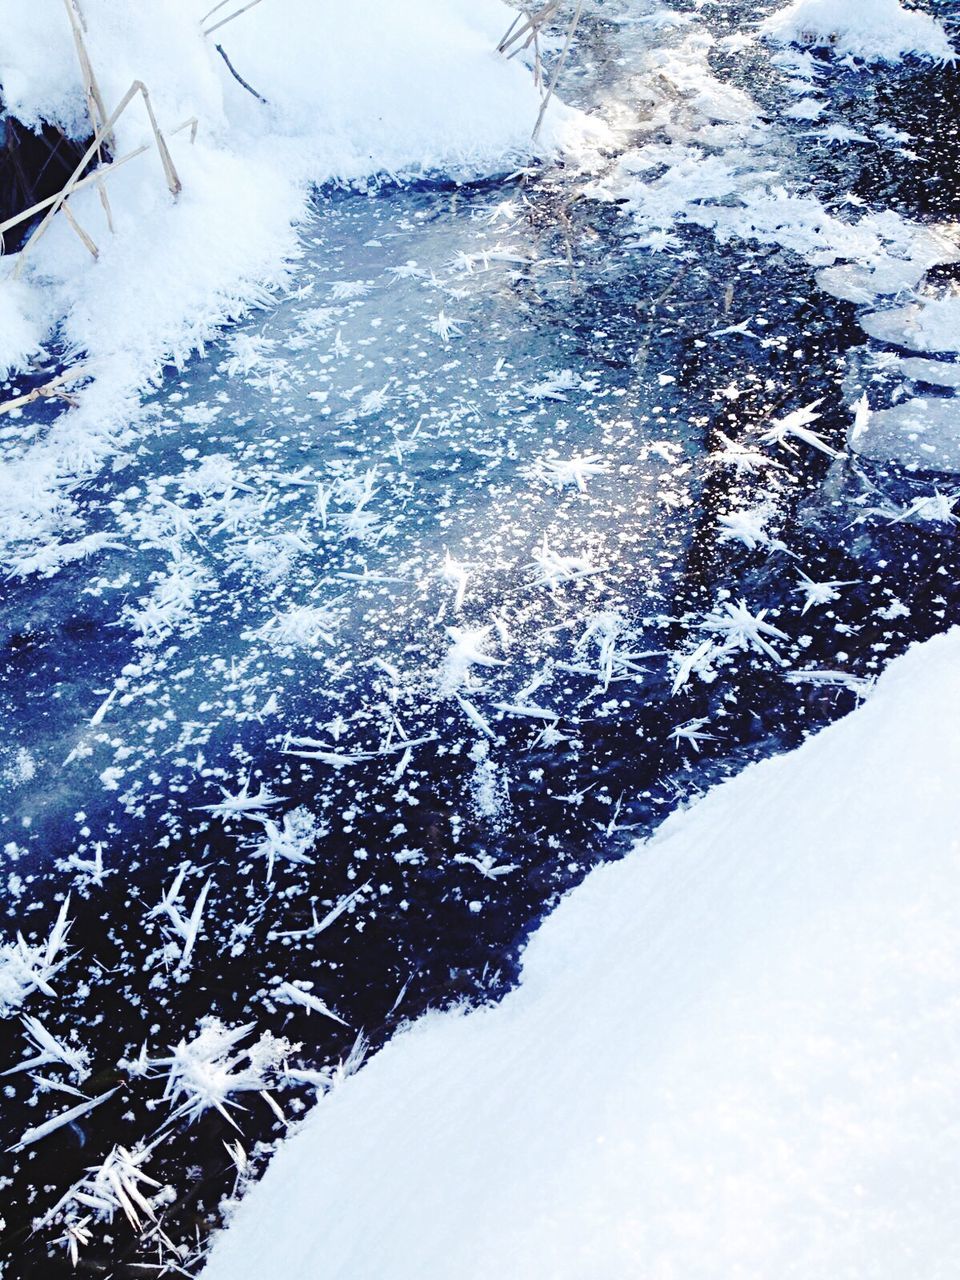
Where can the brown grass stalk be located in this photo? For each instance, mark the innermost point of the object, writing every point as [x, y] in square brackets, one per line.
[216, 8]
[84, 238]
[571, 31]
[50, 389]
[516, 40]
[95, 105]
[230, 17]
[170, 172]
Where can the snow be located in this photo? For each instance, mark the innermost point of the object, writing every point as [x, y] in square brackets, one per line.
[733, 1053]
[20, 331]
[872, 30]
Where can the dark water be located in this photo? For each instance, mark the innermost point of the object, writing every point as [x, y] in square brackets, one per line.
[325, 460]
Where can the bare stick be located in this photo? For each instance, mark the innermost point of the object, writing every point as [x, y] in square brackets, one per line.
[105, 201]
[238, 77]
[509, 32]
[52, 388]
[211, 12]
[173, 180]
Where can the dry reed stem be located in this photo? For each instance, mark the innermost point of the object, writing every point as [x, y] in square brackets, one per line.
[95, 105]
[87, 241]
[535, 20]
[169, 170]
[571, 30]
[97, 176]
[173, 181]
[223, 21]
[49, 389]
[506, 41]
[105, 202]
[219, 5]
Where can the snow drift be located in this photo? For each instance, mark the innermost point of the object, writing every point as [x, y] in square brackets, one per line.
[872, 30]
[733, 1053]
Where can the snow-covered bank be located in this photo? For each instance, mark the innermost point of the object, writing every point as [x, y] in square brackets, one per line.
[352, 92]
[734, 1053]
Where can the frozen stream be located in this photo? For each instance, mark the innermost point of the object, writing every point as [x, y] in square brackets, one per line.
[410, 598]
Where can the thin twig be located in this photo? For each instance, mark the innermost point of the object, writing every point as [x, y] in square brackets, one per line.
[211, 12]
[535, 21]
[105, 201]
[95, 103]
[87, 241]
[238, 77]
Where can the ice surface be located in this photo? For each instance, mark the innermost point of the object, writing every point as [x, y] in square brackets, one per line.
[733, 1053]
[933, 324]
[923, 433]
[936, 373]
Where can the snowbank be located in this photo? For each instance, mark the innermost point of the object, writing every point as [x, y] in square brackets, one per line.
[872, 30]
[21, 332]
[734, 1053]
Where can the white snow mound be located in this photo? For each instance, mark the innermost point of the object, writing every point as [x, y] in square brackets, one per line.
[872, 30]
[732, 1054]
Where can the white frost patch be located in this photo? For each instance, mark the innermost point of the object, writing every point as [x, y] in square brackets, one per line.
[873, 30]
[302, 627]
[20, 767]
[719, 170]
[733, 1053]
[21, 329]
[488, 786]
